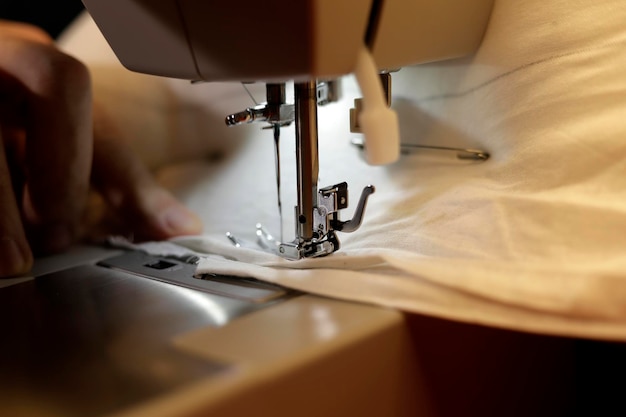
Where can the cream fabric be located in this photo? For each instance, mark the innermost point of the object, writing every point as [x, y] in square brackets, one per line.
[533, 239]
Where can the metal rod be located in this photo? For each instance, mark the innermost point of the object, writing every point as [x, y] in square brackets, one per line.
[307, 163]
[461, 153]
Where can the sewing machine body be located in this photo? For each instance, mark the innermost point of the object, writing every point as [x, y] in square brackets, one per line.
[283, 39]
[81, 337]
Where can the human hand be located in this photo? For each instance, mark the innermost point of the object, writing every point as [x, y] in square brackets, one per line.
[46, 129]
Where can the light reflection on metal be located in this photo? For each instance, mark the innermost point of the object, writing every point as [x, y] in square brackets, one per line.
[212, 309]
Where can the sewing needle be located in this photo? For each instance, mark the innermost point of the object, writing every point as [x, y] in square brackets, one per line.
[276, 128]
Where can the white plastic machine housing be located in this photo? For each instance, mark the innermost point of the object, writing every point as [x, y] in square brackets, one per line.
[281, 40]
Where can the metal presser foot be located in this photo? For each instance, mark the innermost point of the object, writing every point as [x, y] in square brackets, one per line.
[317, 211]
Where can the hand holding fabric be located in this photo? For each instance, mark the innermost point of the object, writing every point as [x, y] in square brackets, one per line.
[51, 152]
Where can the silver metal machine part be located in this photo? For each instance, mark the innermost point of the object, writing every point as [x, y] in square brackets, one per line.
[183, 274]
[274, 111]
[307, 158]
[461, 153]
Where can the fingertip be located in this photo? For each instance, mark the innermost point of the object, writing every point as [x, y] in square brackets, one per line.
[177, 220]
[26, 31]
[17, 259]
[164, 215]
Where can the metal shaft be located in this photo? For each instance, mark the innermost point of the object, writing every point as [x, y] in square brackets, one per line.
[307, 163]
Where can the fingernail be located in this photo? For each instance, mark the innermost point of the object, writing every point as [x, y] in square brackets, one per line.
[178, 220]
[13, 260]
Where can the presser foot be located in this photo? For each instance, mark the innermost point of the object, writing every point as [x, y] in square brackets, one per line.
[289, 250]
[299, 248]
[324, 240]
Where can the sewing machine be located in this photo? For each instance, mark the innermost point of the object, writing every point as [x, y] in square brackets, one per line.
[311, 43]
[108, 341]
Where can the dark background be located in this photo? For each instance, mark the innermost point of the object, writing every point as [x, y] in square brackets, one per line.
[51, 15]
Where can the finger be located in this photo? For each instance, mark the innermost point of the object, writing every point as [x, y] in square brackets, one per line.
[59, 139]
[147, 210]
[15, 255]
[25, 31]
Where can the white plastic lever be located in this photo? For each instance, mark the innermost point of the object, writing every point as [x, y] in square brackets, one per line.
[378, 123]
